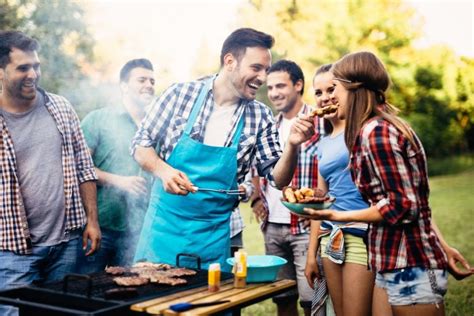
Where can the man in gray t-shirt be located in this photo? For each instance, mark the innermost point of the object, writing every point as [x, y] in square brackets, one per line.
[47, 177]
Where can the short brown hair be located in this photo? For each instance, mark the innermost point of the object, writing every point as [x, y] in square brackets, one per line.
[15, 39]
[238, 41]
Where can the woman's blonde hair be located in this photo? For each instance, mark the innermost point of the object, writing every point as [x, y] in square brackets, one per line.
[367, 80]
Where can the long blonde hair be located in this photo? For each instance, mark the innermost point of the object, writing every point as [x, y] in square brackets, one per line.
[367, 80]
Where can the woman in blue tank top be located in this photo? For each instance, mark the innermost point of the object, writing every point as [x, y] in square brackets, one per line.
[343, 251]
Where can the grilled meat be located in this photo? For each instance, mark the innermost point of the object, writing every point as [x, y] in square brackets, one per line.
[177, 272]
[116, 270]
[157, 266]
[131, 281]
[325, 110]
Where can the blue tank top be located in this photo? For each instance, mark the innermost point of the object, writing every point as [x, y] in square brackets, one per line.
[333, 164]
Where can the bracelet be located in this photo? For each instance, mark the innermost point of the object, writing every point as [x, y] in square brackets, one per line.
[255, 201]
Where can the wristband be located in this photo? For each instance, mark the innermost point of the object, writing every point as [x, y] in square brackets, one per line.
[255, 201]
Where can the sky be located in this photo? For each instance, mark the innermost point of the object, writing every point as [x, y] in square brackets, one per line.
[447, 22]
[171, 32]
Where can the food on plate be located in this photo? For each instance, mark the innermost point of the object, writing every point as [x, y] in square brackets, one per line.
[304, 195]
[298, 195]
[325, 110]
[289, 195]
[131, 281]
[116, 270]
[307, 192]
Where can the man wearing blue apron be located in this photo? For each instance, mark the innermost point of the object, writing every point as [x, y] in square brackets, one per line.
[203, 136]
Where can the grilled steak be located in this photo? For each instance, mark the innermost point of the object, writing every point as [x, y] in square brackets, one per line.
[167, 280]
[116, 270]
[131, 281]
[177, 272]
[157, 266]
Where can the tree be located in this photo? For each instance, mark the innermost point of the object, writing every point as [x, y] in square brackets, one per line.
[66, 45]
[432, 87]
[314, 33]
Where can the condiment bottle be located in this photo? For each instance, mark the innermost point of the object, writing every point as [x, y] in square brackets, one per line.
[240, 269]
[214, 277]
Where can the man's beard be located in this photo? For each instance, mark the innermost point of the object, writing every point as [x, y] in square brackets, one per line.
[15, 90]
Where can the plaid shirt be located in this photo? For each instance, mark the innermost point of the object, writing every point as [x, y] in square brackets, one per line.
[236, 221]
[306, 172]
[166, 119]
[391, 174]
[77, 168]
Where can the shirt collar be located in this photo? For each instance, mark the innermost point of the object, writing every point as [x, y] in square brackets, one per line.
[304, 109]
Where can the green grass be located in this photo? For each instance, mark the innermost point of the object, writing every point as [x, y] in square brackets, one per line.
[450, 165]
[452, 202]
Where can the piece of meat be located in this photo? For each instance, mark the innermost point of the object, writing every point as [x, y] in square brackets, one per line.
[177, 272]
[131, 281]
[323, 111]
[116, 270]
[157, 266]
[289, 195]
[162, 279]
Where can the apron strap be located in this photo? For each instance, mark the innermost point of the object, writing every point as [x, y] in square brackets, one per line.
[197, 106]
[238, 130]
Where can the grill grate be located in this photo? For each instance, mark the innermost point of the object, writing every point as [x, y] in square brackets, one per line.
[102, 282]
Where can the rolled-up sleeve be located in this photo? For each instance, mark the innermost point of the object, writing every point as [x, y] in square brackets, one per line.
[153, 128]
[388, 169]
[268, 148]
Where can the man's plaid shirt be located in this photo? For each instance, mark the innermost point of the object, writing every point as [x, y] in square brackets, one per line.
[306, 172]
[392, 174]
[166, 119]
[77, 168]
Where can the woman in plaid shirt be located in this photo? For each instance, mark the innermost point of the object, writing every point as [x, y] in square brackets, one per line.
[388, 165]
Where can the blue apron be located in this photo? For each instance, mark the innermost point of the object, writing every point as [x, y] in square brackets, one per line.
[197, 223]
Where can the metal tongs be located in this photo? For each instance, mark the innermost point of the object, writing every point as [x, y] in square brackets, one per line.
[229, 192]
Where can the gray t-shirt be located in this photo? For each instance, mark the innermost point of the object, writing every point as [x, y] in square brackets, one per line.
[38, 144]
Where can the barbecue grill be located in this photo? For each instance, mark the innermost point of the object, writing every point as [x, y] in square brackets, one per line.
[90, 294]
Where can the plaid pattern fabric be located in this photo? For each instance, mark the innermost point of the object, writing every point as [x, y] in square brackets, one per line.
[392, 175]
[306, 171]
[167, 117]
[236, 221]
[77, 168]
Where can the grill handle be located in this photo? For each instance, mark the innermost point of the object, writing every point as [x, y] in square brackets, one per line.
[78, 276]
[198, 259]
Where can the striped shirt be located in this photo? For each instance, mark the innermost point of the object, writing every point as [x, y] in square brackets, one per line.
[166, 119]
[306, 171]
[77, 168]
[392, 175]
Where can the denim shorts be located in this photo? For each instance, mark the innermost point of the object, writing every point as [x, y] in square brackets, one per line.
[414, 285]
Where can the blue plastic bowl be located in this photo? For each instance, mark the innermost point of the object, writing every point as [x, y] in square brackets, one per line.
[261, 268]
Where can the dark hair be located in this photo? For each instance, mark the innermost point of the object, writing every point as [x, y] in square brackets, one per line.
[291, 68]
[132, 64]
[237, 42]
[15, 39]
[328, 128]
